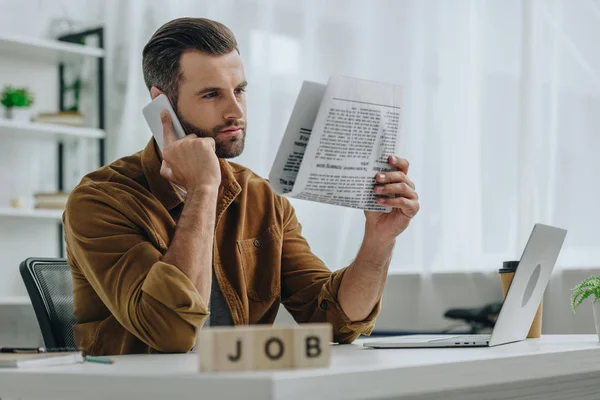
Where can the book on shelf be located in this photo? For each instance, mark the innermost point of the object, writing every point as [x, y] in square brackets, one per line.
[50, 201]
[71, 118]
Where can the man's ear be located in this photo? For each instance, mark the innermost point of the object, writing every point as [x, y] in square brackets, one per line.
[154, 92]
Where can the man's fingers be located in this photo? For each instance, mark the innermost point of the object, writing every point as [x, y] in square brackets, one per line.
[394, 177]
[166, 171]
[400, 163]
[212, 143]
[168, 131]
[408, 207]
[190, 136]
[402, 189]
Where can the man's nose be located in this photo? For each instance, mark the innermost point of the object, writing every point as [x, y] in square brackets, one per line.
[234, 109]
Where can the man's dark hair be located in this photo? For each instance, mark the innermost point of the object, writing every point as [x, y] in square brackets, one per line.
[161, 55]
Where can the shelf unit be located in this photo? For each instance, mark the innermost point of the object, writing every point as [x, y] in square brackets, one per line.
[67, 49]
[48, 51]
[47, 131]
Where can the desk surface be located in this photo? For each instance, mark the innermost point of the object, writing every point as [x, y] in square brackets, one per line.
[553, 367]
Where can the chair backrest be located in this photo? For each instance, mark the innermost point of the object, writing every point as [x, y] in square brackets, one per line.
[50, 287]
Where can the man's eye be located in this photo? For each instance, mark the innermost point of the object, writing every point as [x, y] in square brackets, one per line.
[210, 95]
[240, 90]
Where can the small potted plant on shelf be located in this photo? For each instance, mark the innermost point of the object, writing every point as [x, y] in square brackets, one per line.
[17, 103]
[589, 287]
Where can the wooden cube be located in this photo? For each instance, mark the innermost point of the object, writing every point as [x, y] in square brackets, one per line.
[225, 349]
[273, 347]
[312, 345]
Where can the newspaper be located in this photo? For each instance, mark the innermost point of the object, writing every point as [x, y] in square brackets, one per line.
[338, 137]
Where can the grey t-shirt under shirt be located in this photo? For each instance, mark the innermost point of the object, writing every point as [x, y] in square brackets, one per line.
[219, 311]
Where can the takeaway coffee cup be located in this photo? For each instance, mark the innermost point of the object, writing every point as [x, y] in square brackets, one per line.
[507, 272]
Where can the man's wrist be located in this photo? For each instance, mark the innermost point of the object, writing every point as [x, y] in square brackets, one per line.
[374, 240]
[375, 251]
[203, 191]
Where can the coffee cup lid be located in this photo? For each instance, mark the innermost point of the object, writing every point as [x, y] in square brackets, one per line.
[509, 266]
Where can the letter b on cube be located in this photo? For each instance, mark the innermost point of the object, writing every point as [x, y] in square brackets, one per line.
[311, 345]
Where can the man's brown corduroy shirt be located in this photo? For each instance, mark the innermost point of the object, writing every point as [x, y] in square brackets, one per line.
[120, 220]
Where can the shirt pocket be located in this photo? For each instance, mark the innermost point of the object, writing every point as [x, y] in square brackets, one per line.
[261, 262]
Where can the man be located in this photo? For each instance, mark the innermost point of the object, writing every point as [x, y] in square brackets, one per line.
[157, 239]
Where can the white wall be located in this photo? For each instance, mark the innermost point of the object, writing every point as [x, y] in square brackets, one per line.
[413, 302]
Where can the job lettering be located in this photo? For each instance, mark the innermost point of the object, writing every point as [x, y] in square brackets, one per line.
[269, 348]
[238, 355]
[313, 346]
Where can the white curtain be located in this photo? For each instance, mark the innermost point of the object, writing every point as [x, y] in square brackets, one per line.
[500, 125]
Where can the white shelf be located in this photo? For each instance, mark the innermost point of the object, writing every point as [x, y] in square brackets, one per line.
[50, 51]
[14, 300]
[31, 213]
[49, 131]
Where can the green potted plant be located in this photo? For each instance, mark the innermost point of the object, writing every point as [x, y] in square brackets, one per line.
[589, 287]
[17, 103]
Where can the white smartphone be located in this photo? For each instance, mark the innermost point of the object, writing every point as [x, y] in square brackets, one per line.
[152, 114]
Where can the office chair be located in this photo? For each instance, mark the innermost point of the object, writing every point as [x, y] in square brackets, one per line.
[50, 287]
[479, 319]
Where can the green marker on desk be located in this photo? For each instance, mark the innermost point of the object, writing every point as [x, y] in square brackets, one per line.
[100, 360]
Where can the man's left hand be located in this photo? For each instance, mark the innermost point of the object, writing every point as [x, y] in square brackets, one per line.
[403, 199]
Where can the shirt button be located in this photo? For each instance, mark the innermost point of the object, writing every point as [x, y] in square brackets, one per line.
[256, 243]
[324, 305]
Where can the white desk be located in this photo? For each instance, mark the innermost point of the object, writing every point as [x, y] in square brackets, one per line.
[554, 367]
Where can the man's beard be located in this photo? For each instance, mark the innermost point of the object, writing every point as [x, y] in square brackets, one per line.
[226, 147]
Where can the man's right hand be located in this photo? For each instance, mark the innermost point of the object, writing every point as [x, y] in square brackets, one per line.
[191, 162]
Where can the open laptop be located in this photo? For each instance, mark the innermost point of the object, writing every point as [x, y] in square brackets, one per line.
[520, 305]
